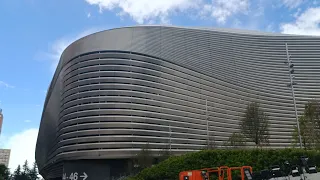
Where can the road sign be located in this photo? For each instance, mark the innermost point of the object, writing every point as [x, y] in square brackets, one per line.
[74, 176]
[84, 176]
[85, 170]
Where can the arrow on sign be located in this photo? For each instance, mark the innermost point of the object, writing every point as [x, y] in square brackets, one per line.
[84, 176]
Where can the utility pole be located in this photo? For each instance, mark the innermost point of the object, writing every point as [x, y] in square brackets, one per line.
[170, 138]
[291, 84]
[207, 123]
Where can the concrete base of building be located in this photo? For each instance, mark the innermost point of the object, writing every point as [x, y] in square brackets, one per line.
[94, 169]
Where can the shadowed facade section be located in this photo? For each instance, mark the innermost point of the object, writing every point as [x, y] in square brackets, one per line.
[116, 90]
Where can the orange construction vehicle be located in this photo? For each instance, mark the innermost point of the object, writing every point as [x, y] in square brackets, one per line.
[222, 173]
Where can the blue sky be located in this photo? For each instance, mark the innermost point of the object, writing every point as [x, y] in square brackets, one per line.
[34, 33]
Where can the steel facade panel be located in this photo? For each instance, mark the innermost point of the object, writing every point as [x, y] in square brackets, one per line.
[150, 83]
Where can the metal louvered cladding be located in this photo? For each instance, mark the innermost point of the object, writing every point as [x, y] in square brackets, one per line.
[116, 90]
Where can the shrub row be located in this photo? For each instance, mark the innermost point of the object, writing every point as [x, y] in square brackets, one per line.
[259, 159]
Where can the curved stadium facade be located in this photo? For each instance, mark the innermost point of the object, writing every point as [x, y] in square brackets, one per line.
[116, 90]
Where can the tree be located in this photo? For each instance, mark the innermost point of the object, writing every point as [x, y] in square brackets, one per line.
[312, 116]
[4, 172]
[25, 172]
[21, 174]
[164, 154]
[303, 132]
[144, 158]
[309, 123]
[33, 174]
[236, 140]
[211, 142]
[254, 124]
[17, 173]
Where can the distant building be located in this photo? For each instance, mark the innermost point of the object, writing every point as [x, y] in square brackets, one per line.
[5, 156]
[4, 153]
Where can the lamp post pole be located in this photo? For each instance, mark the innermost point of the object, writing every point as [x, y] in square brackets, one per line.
[291, 84]
[207, 123]
[170, 138]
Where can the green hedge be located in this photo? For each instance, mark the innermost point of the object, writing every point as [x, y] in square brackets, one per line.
[257, 158]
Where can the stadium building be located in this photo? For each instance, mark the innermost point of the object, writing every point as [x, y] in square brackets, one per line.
[172, 87]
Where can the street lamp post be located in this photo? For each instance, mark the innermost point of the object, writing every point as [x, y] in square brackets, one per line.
[170, 138]
[291, 84]
[207, 123]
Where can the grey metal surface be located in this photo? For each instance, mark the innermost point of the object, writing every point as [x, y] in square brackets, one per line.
[115, 90]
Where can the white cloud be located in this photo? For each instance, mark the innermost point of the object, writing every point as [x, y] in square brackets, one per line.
[148, 11]
[306, 23]
[57, 47]
[222, 9]
[292, 3]
[88, 15]
[6, 85]
[27, 121]
[22, 147]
